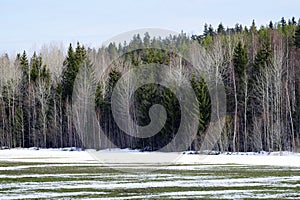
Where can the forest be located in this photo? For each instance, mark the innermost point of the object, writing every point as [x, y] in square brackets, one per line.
[259, 67]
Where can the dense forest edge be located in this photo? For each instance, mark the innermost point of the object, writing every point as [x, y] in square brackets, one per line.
[259, 67]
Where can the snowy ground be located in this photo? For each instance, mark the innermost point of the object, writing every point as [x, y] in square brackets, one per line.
[114, 156]
[57, 174]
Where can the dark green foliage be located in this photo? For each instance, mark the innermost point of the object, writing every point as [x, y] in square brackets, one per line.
[221, 29]
[211, 31]
[297, 36]
[112, 50]
[99, 99]
[24, 65]
[205, 32]
[262, 58]
[253, 27]
[294, 21]
[271, 26]
[282, 22]
[204, 101]
[71, 68]
[27, 103]
[238, 28]
[38, 72]
[114, 76]
[155, 56]
[240, 60]
[36, 64]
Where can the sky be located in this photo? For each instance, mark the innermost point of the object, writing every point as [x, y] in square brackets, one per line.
[29, 24]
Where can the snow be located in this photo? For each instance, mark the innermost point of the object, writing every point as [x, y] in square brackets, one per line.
[47, 195]
[292, 160]
[127, 156]
[159, 180]
[46, 155]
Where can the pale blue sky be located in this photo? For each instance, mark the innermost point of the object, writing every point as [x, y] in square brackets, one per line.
[27, 24]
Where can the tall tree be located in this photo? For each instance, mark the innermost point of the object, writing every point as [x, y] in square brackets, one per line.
[297, 36]
[240, 90]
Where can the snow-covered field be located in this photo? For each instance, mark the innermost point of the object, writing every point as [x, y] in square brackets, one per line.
[120, 174]
[68, 155]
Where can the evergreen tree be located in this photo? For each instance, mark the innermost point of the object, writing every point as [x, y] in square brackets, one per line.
[36, 67]
[146, 39]
[240, 60]
[239, 80]
[211, 31]
[114, 75]
[112, 50]
[221, 29]
[253, 27]
[297, 36]
[203, 99]
[282, 22]
[24, 65]
[25, 99]
[294, 21]
[72, 64]
[271, 26]
[108, 124]
[205, 32]
[238, 28]
[99, 100]
[35, 109]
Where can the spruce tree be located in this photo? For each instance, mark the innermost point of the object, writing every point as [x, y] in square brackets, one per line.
[211, 31]
[203, 99]
[282, 22]
[36, 65]
[271, 26]
[297, 36]
[239, 64]
[294, 21]
[72, 64]
[221, 29]
[240, 60]
[24, 65]
[205, 32]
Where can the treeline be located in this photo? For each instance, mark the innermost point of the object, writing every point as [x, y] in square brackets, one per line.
[259, 67]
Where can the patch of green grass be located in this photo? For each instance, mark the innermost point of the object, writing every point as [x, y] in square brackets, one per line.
[15, 164]
[236, 172]
[68, 190]
[60, 170]
[291, 182]
[78, 174]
